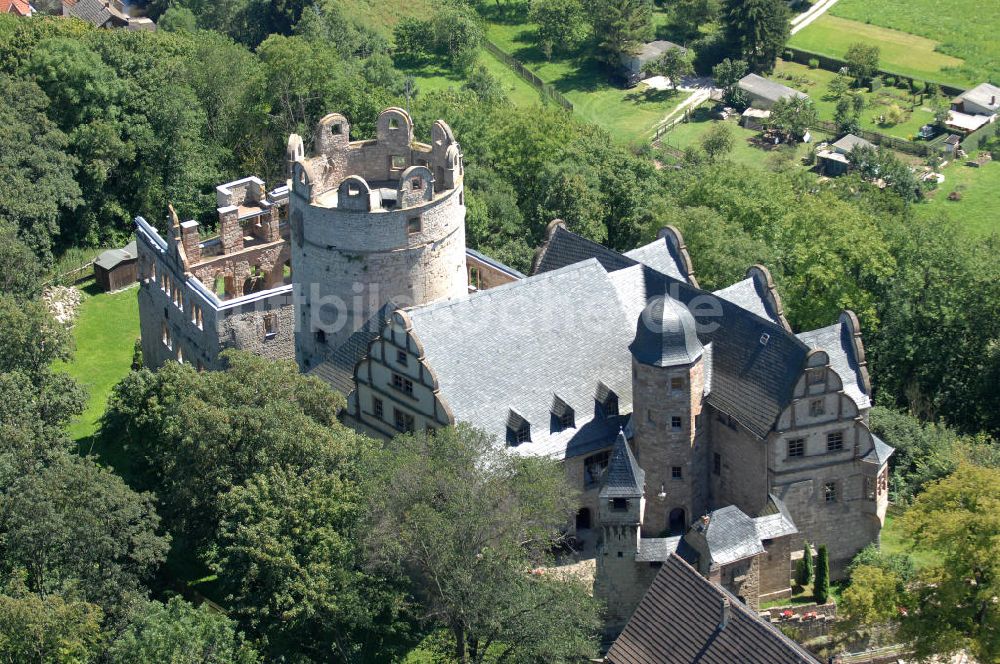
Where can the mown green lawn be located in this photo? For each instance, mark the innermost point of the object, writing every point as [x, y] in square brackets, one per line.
[965, 29]
[977, 211]
[628, 115]
[816, 82]
[893, 540]
[105, 334]
[748, 150]
[900, 52]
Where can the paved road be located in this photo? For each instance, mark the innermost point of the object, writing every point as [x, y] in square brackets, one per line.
[810, 15]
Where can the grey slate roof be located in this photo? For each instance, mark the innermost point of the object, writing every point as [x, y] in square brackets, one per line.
[775, 525]
[624, 478]
[112, 258]
[567, 248]
[880, 453]
[665, 335]
[657, 255]
[765, 88]
[338, 369]
[679, 621]
[650, 51]
[515, 346]
[731, 535]
[835, 342]
[744, 294]
[656, 549]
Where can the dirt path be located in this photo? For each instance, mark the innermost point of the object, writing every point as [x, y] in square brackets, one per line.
[811, 14]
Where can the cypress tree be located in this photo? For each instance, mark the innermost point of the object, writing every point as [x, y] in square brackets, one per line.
[821, 589]
[804, 572]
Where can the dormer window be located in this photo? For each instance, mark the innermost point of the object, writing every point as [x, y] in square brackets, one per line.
[518, 428]
[619, 504]
[607, 401]
[562, 414]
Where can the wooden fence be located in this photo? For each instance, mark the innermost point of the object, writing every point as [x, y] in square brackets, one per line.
[891, 142]
[74, 276]
[515, 65]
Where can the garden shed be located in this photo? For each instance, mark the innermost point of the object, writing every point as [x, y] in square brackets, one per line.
[115, 269]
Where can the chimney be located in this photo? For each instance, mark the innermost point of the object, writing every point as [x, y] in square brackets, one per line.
[230, 231]
[705, 519]
[724, 617]
[190, 241]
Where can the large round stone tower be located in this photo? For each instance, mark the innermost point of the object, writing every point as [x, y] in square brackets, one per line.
[372, 221]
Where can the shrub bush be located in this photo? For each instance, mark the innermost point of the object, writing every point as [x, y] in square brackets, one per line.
[903, 83]
[813, 63]
[918, 87]
[876, 84]
[890, 80]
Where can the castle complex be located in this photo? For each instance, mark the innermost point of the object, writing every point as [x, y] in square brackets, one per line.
[694, 423]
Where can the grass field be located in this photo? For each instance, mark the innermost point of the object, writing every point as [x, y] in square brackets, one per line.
[747, 148]
[965, 29]
[976, 212]
[628, 115]
[432, 76]
[894, 541]
[816, 82]
[900, 52]
[105, 334]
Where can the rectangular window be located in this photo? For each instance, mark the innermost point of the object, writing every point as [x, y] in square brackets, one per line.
[816, 407]
[377, 408]
[413, 225]
[567, 420]
[610, 406]
[594, 468]
[676, 423]
[677, 383]
[398, 162]
[619, 504]
[717, 464]
[834, 441]
[523, 434]
[797, 447]
[870, 488]
[270, 326]
[676, 473]
[404, 421]
[404, 385]
[401, 358]
[830, 492]
[416, 183]
[817, 377]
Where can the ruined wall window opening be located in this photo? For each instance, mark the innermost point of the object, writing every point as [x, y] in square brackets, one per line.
[397, 162]
[404, 421]
[377, 409]
[417, 184]
[180, 355]
[594, 468]
[393, 123]
[336, 129]
[353, 190]
[817, 407]
[167, 339]
[830, 492]
[676, 473]
[834, 441]
[676, 423]
[413, 225]
[797, 447]
[404, 385]
[270, 326]
[474, 278]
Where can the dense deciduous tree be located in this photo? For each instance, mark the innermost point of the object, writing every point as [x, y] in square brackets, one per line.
[179, 633]
[465, 521]
[862, 61]
[675, 64]
[955, 606]
[48, 628]
[756, 30]
[76, 527]
[563, 25]
[793, 116]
